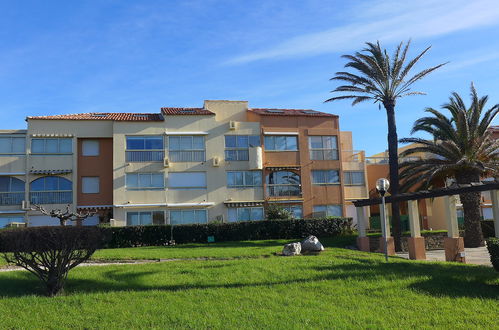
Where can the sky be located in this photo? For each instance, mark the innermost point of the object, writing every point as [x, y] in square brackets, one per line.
[59, 57]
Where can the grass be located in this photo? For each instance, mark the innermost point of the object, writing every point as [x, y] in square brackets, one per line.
[337, 289]
[245, 249]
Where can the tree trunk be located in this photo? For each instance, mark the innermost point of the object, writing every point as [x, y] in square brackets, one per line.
[473, 236]
[394, 171]
[55, 284]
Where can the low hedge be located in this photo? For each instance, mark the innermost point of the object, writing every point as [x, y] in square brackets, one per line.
[236, 231]
[493, 247]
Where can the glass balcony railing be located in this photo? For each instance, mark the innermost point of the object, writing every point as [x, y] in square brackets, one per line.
[11, 198]
[283, 190]
[187, 156]
[51, 197]
[145, 155]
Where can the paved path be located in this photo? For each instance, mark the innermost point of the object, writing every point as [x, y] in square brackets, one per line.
[477, 256]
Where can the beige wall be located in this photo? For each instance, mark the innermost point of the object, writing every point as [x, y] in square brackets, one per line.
[217, 192]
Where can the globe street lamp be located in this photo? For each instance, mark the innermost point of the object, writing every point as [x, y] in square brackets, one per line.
[382, 185]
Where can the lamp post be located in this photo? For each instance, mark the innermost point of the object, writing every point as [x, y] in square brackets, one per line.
[382, 185]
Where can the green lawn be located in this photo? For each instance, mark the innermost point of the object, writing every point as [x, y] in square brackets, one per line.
[336, 289]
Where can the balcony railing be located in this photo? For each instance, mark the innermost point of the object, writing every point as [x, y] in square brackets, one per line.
[51, 197]
[187, 156]
[11, 198]
[386, 160]
[145, 155]
[356, 156]
[283, 190]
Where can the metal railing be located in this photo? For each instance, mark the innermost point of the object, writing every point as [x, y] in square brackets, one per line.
[386, 160]
[356, 156]
[187, 156]
[51, 197]
[283, 190]
[144, 155]
[11, 198]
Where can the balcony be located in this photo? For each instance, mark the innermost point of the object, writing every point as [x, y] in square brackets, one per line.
[187, 156]
[355, 156]
[51, 197]
[11, 198]
[145, 155]
[386, 160]
[284, 190]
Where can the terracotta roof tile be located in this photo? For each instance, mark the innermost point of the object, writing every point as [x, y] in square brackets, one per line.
[290, 112]
[185, 111]
[115, 116]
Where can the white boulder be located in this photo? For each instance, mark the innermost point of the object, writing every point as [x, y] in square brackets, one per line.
[311, 244]
[291, 249]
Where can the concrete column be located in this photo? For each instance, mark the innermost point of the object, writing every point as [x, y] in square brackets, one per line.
[453, 244]
[386, 231]
[494, 194]
[415, 243]
[362, 221]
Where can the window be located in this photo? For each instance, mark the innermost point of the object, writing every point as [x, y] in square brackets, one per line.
[145, 181]
[281, 143]
[283, 183]
[186, 180]
[237, 146]
[295, 210]
[12, 145]
[244, 179]
[245, 214]
[354, 178]
[145, 148]
[145, 218]
[187, 148]
[51, 190]
[188, 216]
[6, 220]
[11, 191]
[323, 147]
[90, 148]
[328, 211]
[323, 177]
[51, 146]
[90, 185]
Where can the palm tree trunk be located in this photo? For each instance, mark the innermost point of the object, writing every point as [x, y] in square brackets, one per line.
[473, 236]
[394, 171]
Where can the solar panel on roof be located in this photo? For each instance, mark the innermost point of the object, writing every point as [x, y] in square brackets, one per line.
[274, 111]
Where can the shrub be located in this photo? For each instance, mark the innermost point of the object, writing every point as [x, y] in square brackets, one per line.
[234, 231]
[493, 247]
[50, 252]
[488, 228]
[277, 212]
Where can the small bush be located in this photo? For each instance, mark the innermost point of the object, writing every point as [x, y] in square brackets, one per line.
[50, 252]
[488, 228]
[234, 231]
[493, 247]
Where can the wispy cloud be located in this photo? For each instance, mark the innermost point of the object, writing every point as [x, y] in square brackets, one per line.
[387, 21]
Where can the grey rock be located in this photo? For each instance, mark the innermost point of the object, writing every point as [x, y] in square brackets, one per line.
[311, 244]
[291, 249]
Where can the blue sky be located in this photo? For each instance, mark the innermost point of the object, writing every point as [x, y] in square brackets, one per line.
[128, 56]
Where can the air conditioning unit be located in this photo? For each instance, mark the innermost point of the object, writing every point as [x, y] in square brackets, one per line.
[216, 161]
[25, 205]
[166, 162]
[232, 125]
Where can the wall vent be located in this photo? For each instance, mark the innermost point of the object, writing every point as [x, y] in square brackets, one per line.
[232, 125]
[216, 161]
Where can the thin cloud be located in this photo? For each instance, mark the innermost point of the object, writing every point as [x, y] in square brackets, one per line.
[426, 19]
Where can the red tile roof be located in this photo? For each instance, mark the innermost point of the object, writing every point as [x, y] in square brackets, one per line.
[290, 112]
[116, 116]
[185, 111]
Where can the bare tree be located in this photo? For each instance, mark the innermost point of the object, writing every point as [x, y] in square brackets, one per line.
[66, 215]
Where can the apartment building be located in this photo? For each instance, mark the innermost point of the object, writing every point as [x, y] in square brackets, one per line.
[223, 162]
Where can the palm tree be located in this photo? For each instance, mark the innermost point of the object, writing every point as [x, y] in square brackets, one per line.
[383, 80]
[462, 149]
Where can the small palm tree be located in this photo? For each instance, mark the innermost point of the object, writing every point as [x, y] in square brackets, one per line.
[382, 79]
[462, 149]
